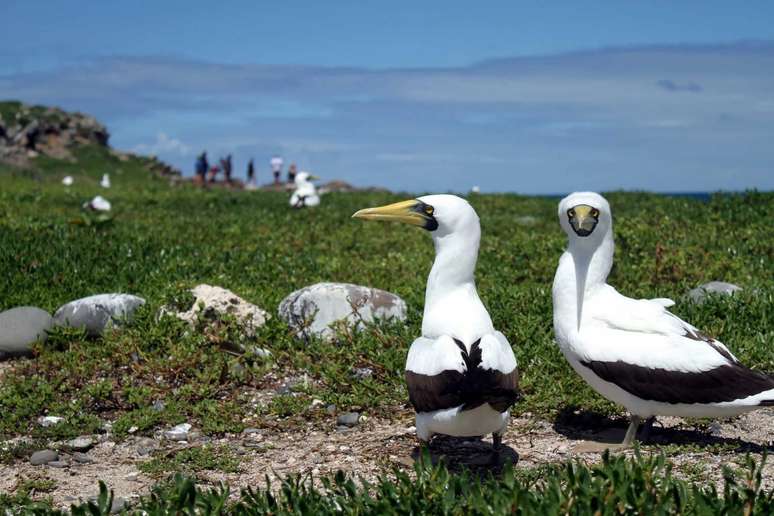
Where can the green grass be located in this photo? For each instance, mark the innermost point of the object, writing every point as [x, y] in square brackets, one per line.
[192, 460]
[640, 485]
[161, 241]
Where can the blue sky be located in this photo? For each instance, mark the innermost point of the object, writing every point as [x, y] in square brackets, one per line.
[533, 97]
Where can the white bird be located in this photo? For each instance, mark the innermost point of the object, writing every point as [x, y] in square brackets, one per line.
[99, 203]
[105, 183]
[68, 180]
[461, 373]
[634, 352]
[305, 194]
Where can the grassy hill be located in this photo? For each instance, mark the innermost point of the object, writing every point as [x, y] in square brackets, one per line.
[161, 241]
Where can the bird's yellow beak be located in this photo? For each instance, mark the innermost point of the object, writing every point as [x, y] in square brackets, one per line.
[412, 212]
[583, 219]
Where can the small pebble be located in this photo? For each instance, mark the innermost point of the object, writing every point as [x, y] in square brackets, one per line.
[47, 421]
[58, 464]
[134, 476]
[348, 419]
[82, 458]
[331, 409]
[80, 444]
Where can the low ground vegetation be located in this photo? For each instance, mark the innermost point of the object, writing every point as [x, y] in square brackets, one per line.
[158, 372]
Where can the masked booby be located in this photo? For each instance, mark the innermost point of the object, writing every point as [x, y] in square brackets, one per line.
[461, 373]
[634, 352]
[305, 194]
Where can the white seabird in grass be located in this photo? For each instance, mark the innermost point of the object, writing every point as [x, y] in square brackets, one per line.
[68, 180]
[105, 182]
[99, 203]
[634, 352]
[461, 373]
[305, 194]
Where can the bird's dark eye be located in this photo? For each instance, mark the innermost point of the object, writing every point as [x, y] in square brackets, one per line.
[595, 212]
[571, 212]
[429, 210]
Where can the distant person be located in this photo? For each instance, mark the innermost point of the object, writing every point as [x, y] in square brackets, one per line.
[227, 169]
[276, 168]
[202, 166]
[292, 173]
[250, 172]
[214, 170]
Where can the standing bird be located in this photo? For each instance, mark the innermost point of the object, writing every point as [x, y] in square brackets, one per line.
[105, 183]
[634, 352]
[305, 194]
[461, 373]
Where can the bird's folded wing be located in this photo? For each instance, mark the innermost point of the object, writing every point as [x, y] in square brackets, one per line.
[443, 373]
[651, 353]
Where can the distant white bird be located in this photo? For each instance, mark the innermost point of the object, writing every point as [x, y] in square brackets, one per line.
[305, 194]
[476, 189]
[99, 203]
[634, 352]
[461, 373]
[105, 183]
[68, 180]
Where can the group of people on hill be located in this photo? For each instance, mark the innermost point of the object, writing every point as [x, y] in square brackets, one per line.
[207, 173]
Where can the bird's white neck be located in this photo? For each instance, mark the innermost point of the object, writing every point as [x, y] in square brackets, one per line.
[452, 305]
[582, 268]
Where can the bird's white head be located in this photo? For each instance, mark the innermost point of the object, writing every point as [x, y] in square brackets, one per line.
[305, 177]
[440, 214]
[588, 222]
[586, 218]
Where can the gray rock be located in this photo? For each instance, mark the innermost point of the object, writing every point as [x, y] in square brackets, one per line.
[250, 431]
[312, 310]
[348, 419]
[20, 328]
[700, 293]
[331, 409]
[178, 433]
[158, 406]
[43, 457]
[82, 458]
[58, 464]
[96, 313]
[80, 444]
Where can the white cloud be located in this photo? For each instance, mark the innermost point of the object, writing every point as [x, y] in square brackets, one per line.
[164, 145]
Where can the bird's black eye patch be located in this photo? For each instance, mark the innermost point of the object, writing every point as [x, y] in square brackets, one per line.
[571, 213]
[427, 212]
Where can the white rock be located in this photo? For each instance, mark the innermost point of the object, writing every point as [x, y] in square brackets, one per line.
[313, 309]
[96, 313]
[213, 302]
[47, 421]
[178, 433]
[68, 180]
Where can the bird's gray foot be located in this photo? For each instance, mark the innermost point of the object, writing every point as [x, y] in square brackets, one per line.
[597, 447]
[646, 429]
[497, 442]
